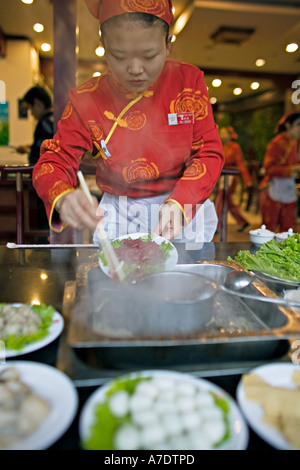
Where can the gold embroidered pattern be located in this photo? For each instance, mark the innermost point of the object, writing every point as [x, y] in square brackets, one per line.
[58, 188]
[90, 85]
[95, 130]
[195, 171]
[153, 7]
[135, 120]
[106, 189]
[45, 169]
[140, 170]
[50, 145]
[67, 111]
[190, 101]
[197, 144]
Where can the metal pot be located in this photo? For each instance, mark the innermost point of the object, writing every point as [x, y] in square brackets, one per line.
[164, 304]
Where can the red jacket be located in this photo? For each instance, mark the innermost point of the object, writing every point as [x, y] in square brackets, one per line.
[148, 155]
[281, 155]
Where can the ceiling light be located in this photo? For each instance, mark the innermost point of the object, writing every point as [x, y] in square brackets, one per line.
[97, 74]
[237, 91]
[260, 62]
[216, 82]
[292, 47]
[38, 27]
[254, 85]
[28, 2]
[213, 100]
[182, 20]
[46, 47]
[100, 51]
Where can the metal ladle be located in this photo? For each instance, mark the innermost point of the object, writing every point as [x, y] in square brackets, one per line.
[237, 280]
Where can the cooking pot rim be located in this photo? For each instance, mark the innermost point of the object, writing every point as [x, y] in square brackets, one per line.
[211, 282]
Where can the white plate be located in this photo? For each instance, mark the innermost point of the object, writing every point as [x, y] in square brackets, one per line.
[238, 427]
[279, 375]
[58, 390]
[54, 331]
[170, 262]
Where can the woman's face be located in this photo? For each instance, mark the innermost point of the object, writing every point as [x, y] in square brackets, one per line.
[135, 53]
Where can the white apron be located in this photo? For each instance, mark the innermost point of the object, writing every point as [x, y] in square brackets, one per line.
[282, 190]
[125, 215]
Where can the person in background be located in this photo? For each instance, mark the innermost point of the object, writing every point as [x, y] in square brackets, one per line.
[278, 198]
[150, 126]
[233, 159]
[39, 102]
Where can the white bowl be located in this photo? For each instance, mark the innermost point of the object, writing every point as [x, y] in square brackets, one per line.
[284, 235]
[261, 235]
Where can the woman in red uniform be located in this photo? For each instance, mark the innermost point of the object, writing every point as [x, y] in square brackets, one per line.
[233, 159]
[149, 124]
[278, 198]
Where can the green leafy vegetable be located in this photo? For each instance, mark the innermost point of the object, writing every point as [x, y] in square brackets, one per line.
[105, 423]
[17, 343]
[280, 260]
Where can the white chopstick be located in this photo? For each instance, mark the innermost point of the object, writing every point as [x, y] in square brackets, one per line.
[114, 264]
[56, 245]
[84, 187]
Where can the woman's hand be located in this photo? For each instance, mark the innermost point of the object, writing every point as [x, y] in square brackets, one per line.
[170, 221]
[76, 210]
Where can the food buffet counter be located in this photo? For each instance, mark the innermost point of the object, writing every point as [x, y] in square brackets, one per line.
[55, 275]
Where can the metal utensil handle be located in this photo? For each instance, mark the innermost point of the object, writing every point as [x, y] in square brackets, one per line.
[272, 300]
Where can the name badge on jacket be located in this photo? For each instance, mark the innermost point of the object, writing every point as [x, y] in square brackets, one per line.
[177, 119]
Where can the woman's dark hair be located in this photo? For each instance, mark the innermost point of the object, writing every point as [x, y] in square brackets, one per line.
[145, 18]
[290, 119]
[39, 93]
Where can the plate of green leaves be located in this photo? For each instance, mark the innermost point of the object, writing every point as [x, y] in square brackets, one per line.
[279, 261]
[25, 328]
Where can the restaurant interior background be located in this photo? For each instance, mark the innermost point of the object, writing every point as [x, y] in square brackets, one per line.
[240, 45]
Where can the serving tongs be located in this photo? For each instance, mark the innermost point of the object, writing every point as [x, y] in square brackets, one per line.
[114, 264]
